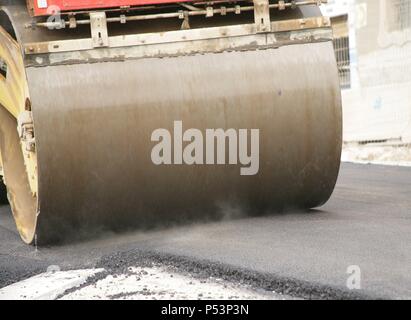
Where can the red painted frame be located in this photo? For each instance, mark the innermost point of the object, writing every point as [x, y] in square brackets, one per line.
[72, 5]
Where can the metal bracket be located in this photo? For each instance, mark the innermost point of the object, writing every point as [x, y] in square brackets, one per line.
[281, 5]
[186, 21]
[72, 22]
[99, 32]
[209, 12]
[25, 130]
[262, 15]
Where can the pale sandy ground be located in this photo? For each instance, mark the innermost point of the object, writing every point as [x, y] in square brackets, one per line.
[377, 154]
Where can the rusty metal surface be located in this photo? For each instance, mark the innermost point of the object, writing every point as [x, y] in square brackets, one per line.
[158, 49]
[226, 38]
[20, 17]
[93, 136]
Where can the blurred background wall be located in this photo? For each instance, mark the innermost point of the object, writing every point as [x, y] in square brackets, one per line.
[375, 68]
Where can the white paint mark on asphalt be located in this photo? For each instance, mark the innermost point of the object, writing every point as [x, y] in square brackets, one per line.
[46, 286]
[158, 283]
[155, 283]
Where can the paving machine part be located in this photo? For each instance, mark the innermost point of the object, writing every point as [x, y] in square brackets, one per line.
[3, 190]
[3, 193]
[85, 90]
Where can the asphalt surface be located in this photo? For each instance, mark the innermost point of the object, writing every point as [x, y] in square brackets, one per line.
[366, 223]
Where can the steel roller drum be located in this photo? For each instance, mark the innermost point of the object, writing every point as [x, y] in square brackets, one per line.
[94, 123]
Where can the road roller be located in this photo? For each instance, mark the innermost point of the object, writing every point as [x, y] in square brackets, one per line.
[130, 114]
